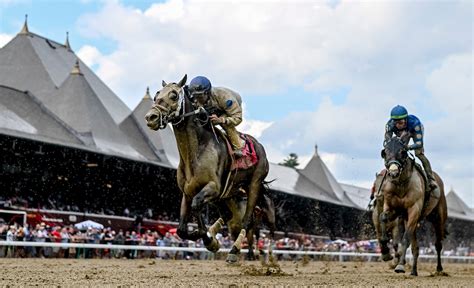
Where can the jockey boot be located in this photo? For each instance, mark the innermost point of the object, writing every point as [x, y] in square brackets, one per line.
[429, 172]
[235, 140]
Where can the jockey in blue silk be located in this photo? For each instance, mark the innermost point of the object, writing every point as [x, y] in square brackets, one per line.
[399, 122]
[224, 105]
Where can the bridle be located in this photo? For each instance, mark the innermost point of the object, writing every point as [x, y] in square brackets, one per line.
[399, 163]
[177, 116]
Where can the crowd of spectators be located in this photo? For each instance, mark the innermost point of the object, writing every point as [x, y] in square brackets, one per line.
[70, 234]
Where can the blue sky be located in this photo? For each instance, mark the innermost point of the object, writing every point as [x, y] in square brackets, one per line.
[309, 72]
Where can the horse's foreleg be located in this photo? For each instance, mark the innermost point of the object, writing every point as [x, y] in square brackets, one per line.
[232, 257]
[408, 237]
[207, 194]
[184, 217]
[384, 219]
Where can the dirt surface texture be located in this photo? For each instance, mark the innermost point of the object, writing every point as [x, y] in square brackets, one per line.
[181, 273]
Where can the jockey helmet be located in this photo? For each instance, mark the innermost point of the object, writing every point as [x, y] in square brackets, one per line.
[199, 85]
[398, 112]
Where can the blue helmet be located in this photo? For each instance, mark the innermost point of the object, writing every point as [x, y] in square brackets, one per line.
[398, 112]
[199, 85]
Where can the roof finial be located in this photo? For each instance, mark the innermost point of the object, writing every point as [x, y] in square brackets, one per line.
[147, 94]
[315, 149]
[24, 30]
[75, 69]
[67, 45]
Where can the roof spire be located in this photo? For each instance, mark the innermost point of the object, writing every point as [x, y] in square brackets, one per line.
[24, 30]
[75, 69]
[67, 45]
[147, 94]
[315, 149]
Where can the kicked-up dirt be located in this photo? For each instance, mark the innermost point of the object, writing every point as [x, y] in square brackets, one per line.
[195, 273]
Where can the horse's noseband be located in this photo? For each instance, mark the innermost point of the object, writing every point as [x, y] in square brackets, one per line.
[396, 163]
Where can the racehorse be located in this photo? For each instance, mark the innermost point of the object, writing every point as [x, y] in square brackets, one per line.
[405, 196]
[204, 174]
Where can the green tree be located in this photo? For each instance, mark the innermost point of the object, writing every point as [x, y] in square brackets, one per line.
[290, 161]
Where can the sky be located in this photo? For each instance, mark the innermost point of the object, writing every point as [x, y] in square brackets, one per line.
[323, 73]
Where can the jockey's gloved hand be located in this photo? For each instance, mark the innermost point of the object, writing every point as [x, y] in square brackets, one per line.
[217, 120]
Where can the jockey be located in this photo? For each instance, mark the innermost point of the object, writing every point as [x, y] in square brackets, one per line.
[223, 104]
[399, 122]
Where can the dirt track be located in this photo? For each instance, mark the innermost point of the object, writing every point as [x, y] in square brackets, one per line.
[160, 273]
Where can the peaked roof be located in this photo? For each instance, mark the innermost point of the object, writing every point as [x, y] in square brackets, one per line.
[160, 145]
[77, 104]
[23, 115]
[457, 205]
[46, 64]
[320, 175]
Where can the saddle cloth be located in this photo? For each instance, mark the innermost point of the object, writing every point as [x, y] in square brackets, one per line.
[249, 155]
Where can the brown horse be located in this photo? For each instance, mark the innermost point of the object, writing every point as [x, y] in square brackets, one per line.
[405, 196]
[204, 174]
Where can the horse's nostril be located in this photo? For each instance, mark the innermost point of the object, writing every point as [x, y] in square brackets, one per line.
[152, 117]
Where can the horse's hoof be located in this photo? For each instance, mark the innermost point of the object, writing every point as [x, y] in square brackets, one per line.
[400, 269]
[414, 273]
[387, 257]
[232, 258]
[213, 246]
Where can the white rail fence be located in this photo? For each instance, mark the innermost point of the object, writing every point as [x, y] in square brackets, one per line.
[341, 255]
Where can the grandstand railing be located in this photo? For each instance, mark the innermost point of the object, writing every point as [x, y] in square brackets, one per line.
[340, 255]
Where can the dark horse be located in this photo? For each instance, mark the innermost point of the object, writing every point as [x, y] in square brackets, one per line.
[204, 174]
[405, 196]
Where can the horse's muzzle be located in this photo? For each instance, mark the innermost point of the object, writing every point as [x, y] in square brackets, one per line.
[155, 120]
[393, 170]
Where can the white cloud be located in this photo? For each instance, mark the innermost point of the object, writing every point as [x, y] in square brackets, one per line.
[89, 55]
[394, 52]
[4, 39]
[254, 127]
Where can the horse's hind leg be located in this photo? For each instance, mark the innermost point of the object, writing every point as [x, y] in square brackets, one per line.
[439, 230]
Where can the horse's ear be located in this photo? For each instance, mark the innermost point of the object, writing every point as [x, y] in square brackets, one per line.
[382, 153]
[163, 83]
[183, 81]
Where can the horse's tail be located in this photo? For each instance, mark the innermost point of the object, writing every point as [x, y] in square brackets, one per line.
[266, 186]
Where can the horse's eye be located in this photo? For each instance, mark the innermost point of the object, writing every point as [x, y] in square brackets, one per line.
[156, 96]
[173, 96]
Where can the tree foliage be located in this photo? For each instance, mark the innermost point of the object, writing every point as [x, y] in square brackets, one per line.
[290, 161]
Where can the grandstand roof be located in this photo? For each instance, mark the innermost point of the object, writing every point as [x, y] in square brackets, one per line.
[23, 115]
[457, 208]
[315, 181]
[46, 64]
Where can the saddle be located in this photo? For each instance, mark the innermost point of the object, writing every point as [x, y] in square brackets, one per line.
[249, 155]
[430, 200]
[425, 178]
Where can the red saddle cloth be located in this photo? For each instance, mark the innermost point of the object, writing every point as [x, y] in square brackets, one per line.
[249, 155]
